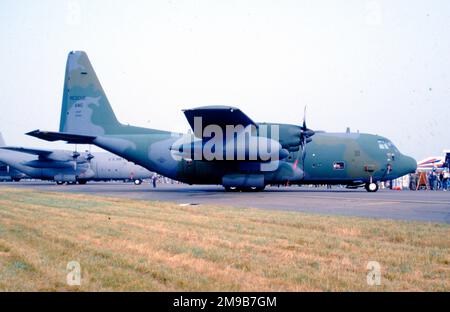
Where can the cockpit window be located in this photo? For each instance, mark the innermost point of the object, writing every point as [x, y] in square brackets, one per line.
[392, 146]
[386, 145]
[382, 144]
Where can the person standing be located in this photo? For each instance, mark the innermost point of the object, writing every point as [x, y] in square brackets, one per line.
[412, 182]
[154, 178]
[441, 180]
[446, 179]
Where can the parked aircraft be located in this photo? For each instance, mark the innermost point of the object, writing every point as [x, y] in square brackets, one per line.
[226, 147]
[7, 173]
[436, 163]
[70, 166]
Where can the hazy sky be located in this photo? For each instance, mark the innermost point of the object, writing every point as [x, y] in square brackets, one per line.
[377, 66]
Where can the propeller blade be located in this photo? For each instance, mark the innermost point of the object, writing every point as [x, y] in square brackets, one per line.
[75, 155]
[305, 137]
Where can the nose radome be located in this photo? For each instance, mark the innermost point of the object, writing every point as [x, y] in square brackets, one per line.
[410, 165]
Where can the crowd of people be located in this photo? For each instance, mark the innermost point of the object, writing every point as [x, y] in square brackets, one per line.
[433, 180]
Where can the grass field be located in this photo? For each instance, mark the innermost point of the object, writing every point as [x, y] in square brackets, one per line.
[137, 245]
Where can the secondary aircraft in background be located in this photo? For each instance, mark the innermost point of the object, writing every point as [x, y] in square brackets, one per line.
[65, 166]
[294, 154]
[7, 173]
[434, 163]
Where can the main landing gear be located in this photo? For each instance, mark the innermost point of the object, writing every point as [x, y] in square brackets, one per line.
[243, 189]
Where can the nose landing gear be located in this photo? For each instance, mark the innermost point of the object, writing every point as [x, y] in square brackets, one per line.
[371, 187]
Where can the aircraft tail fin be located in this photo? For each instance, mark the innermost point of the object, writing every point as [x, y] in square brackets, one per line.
[85, 107]
[2, 141]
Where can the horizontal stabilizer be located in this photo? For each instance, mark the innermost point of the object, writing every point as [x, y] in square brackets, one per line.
[58, 136]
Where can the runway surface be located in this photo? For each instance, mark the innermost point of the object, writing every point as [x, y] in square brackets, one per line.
[428, 206]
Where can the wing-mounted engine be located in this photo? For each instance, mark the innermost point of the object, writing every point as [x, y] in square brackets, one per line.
[224, 133]
[254, 149]
[291, 137]
[52, 158]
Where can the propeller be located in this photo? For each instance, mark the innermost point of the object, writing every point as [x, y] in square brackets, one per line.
[305, 138]
[75, 155]
[89, 156]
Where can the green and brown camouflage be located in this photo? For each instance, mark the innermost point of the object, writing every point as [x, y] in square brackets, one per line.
[352, 159]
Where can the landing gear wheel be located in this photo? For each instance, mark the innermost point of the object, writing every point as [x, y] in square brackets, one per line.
[232, 189]
[254, 189]
[371, 187]
[59, 182]
[244, 189]
[137, 182]
[16, 179]
[82, 182]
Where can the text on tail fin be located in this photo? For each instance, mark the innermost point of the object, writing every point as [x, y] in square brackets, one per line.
[85, 107]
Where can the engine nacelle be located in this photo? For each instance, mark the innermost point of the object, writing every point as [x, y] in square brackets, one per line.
[244, 148]
[289, 135]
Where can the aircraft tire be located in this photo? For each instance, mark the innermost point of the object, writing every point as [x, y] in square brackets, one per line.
[59, 182]
[137, 182]
[16, 179]
[82, 182]
[232, 189]
[371, 187]
[254, 189]
[243, 189]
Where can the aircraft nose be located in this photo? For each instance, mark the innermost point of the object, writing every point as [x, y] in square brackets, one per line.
[409, 164]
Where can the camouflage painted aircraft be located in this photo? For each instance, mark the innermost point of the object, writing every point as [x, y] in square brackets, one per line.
[297, 155]
[65, 166]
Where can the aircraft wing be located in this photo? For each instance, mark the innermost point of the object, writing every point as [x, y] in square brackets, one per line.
[33, 151]
[62, 136]
[217, 115]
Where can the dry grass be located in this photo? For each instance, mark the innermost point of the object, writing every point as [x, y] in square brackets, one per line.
[136, 245]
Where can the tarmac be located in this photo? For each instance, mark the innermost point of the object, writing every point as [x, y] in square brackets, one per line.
[426, 206]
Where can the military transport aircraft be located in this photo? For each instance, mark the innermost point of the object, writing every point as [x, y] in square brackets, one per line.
[249, 157]
[65, 166]
[8, 173]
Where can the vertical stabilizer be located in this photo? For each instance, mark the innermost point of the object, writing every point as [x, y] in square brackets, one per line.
[85, 107]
